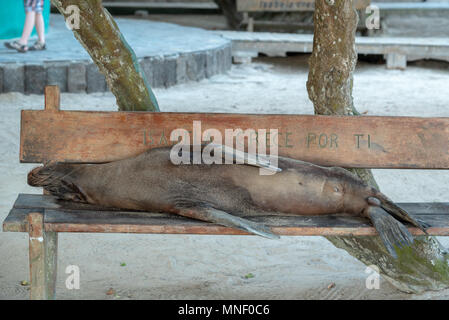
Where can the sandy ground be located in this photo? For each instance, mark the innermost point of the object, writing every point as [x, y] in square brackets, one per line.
[200, 267]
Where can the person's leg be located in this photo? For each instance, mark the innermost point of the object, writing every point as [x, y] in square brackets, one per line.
[40, 27]
[21, 45]
[27, 27]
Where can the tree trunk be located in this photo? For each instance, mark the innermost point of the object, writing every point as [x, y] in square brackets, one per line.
[229, 8]
[422, 267]
[102, 39]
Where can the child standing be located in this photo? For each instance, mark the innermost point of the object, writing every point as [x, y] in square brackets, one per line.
[33, 17]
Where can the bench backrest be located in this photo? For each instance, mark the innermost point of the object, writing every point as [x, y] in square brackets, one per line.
[286, 5]
[346, 141]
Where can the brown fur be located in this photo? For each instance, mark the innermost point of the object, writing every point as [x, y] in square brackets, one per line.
[151, 182]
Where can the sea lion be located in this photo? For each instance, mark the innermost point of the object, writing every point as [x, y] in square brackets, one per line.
[225, 194]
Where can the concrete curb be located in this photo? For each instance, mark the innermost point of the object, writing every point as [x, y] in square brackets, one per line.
[84, 76]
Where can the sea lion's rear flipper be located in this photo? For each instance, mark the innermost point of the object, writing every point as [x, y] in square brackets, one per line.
[213, 215]
[246, 158]
[400, 213]
[391, 231]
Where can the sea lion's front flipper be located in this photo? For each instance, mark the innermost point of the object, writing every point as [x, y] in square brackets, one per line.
[391, 231]
[246, 158]
[213, 215]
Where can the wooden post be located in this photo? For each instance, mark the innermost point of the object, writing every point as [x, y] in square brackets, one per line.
[52, 98]
[52, 103]
[43, 247]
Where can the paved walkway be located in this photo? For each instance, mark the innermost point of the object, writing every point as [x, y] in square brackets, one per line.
[168, 53]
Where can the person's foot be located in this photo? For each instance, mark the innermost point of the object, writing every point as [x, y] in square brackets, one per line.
[17, 46]
[38, 46]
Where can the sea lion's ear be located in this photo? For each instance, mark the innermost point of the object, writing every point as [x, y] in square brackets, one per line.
[391, 231]
[209, 214]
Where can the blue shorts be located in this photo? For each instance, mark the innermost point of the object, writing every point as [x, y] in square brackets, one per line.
[33, 5]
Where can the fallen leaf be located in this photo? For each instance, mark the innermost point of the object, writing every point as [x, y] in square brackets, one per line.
[110, 292]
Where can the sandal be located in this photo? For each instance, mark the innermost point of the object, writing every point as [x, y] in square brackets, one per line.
[38, 46]
[17, 46]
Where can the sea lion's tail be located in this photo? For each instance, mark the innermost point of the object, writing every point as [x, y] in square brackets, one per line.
[392, 233]
[383, 214]
[400, 213]
[58, 180]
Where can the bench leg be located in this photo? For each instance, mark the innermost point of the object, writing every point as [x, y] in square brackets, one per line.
[242, 59]
[243, 56]
[43, 248]
[249, 22]
[396, 61]
[250, 27]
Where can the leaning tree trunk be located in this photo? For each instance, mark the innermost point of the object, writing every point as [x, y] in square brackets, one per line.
[102, 39]
[422, 267]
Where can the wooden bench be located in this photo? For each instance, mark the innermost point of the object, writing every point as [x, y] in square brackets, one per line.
[159, 7]
[94, 137]
[250, 6]
[396, 50]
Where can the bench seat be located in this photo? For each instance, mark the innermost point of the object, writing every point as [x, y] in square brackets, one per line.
[64, 216]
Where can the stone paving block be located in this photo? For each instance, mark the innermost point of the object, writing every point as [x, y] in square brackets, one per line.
[57, 75]
[164, 71]
[96, 81]
[76, 77]
[190, 67]
[196, 66]
[1, 79]
[221, 61]
[200, 59]
[35, 78]
[157, 67]
[227, 58]
[211, 63]
[147, 69]
[181, 69]
[14, 77]
[170, 69]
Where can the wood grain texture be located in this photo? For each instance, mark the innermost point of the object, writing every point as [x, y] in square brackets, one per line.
[64, 216]
[32, 201]
[346, 141]
[43, 257]
[52, 98]
[286, 5]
